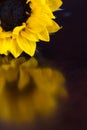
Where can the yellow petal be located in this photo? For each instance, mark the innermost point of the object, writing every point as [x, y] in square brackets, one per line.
[45, 19]
[5, 46]
[34, 24]
[54, 4]
[48, 11]
[44, 35]
[8, 45]
[18, 29]
[29, 35]
[5, 34]
[39, 2]
[53, 28]
[1, 29]
[1, 45]
[27, 46]
[14, 48]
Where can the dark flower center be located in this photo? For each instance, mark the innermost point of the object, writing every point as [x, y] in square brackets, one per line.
[13, 13]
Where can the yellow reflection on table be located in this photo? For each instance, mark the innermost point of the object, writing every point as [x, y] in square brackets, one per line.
[28, 90]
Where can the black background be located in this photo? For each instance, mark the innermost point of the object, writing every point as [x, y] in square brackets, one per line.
[68, 49]
[70, 42]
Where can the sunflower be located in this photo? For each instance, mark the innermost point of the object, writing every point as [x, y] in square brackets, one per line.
[25, 22]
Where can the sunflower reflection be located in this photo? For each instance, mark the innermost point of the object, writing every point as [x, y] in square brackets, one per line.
[28, 90]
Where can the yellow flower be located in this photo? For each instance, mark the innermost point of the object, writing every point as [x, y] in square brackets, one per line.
[24, 23]
[28, 90]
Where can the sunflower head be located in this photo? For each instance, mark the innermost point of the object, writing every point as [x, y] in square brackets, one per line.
[25, 22]
[13, 13]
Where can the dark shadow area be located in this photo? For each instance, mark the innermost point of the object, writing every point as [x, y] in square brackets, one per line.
[70, 42]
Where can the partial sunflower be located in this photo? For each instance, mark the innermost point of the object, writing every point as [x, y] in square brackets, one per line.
[25, 22]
